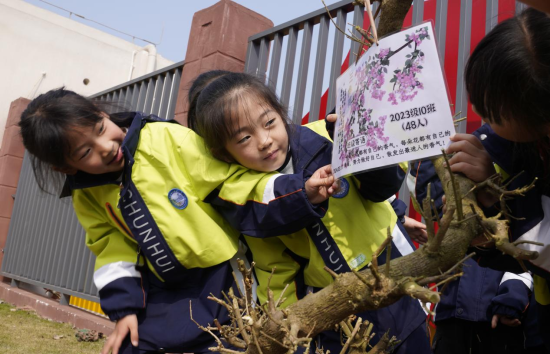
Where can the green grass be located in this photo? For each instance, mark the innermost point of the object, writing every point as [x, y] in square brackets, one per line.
[23, 332]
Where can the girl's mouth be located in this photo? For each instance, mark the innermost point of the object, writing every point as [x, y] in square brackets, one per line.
[117, 158]
[271, 155]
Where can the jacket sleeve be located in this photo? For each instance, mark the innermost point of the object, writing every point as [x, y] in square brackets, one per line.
[399, 207]
[379, 185]
[120, 285]
[257, 204]
[270, 255]
[513, 295]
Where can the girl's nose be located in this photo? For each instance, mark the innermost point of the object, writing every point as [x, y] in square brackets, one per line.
[265, 141]
[105, 148]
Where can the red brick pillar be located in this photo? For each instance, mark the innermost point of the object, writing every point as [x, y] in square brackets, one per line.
[218, 40]
[11, 158]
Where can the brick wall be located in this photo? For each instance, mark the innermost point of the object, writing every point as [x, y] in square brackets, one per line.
[217, 41]
[11, 159]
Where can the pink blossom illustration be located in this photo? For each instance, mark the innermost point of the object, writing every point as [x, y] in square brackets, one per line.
[405, 81]
[371, 74]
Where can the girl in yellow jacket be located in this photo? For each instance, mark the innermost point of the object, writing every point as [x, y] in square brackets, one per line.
[138, 185]
[241, 120]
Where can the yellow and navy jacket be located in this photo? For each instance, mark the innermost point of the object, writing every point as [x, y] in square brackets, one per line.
[482, 292]
[156, 209]
[345, 238]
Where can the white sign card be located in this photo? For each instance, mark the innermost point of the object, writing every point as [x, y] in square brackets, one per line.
[392, 105]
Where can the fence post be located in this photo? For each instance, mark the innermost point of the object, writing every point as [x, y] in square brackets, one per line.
[11, 158]
[217, 40]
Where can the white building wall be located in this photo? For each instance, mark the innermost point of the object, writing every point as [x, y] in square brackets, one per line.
[41, 50]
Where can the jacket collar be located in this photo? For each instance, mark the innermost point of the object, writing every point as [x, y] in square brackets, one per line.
[305, 146]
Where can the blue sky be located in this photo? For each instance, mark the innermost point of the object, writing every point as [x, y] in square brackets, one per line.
[147, 19]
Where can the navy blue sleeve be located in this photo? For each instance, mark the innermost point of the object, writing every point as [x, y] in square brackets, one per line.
[400, 208]
[494, 259]
[286, 211]
[511, 300]
[122, 297]
[381, 184]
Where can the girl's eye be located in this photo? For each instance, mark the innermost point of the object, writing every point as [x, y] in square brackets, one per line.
[270, 122]
[243, 140]
[85, 154]
[102, 128]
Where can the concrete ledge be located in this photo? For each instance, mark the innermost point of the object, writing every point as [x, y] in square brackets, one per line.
[53, 310]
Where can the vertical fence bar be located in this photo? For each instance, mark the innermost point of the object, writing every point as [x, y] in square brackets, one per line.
[441, 29]
[491, 15]
[275, 61]
[141, 98]
[520, 7]
[155, 109]
[135, 96]
[149, 95]
[303, 67]
[252, 57]
[173, 94]
[319, 70]
[336, 64]
[263, 59]
[289, 65]
[358, 17]
[167, 87]
[418, 12]
[463, 55]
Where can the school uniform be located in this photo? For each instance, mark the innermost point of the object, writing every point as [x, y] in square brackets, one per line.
[355, 225]
[467, 305]
[158, 245]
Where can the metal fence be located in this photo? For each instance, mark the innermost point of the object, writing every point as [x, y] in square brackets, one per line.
[456, 29]
[46, 244]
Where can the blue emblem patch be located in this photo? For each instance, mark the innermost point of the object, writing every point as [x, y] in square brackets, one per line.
[344, 189]
[178, 198]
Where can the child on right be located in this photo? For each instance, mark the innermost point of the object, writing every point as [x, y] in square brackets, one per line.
[508, 83]
[241, 120]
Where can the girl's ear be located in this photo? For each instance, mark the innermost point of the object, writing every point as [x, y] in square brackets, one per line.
[66, 170]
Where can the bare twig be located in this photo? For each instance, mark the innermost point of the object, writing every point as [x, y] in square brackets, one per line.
[457, 198]
[432, 247]
[332, 273]
[371, 19]
[351, 336]
[352, 37]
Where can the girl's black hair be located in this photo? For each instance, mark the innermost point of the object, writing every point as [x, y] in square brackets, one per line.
[45, 126]
[218, 105]
[196, 88]
[508, 74]
[508, 79]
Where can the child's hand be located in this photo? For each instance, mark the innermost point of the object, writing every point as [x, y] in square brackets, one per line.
[122, 327]
[474, 162]
[321, 185]
[416, 230]
[505, 320]
[470, 158]
[332, 117]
